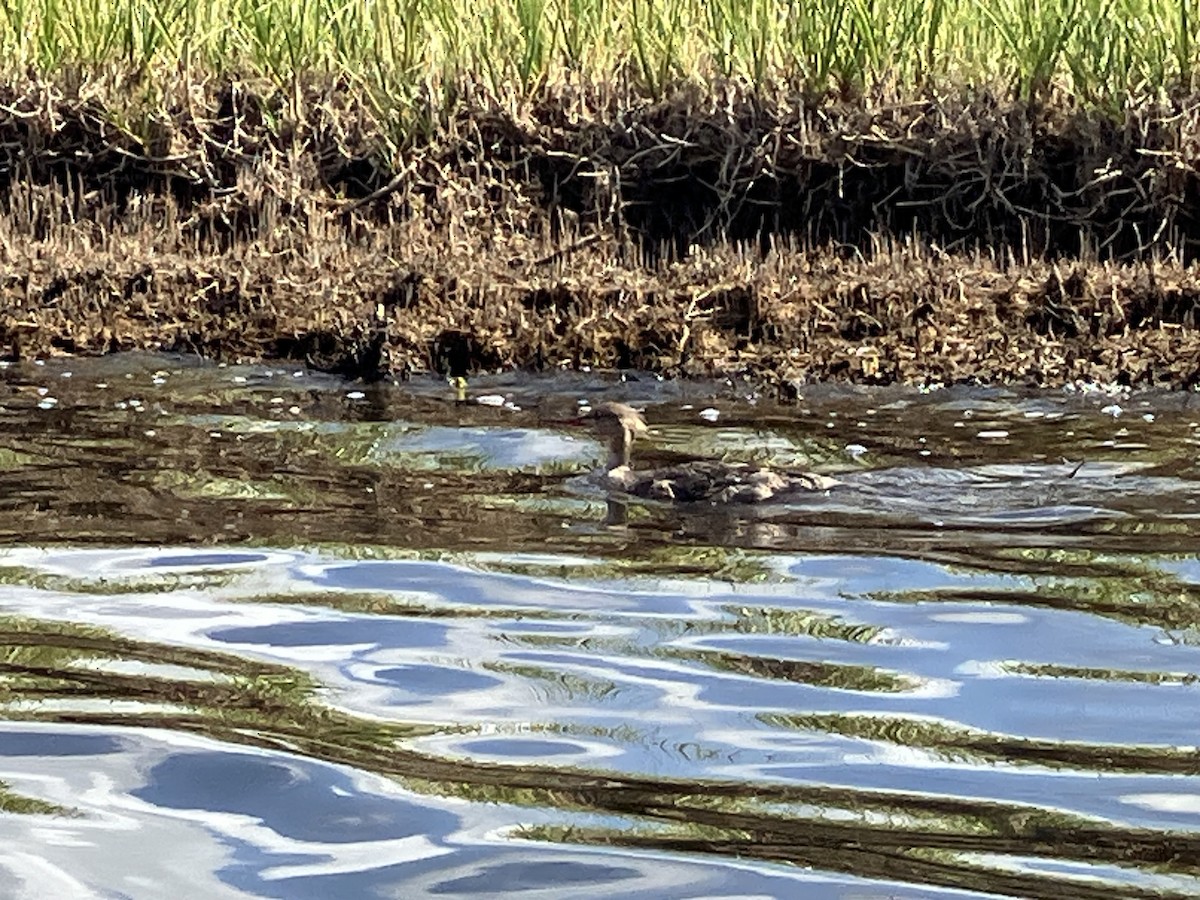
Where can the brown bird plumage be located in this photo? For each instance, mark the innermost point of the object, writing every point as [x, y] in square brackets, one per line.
[703, 480]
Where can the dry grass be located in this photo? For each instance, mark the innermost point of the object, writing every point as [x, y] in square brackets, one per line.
[709, 232]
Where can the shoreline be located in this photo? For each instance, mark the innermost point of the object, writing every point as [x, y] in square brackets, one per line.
[540, 237]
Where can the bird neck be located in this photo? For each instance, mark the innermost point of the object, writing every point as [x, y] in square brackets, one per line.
[618, 449]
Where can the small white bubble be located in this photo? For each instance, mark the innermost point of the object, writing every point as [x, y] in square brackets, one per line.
[47, 403]
[709, 414]
[994, 434]
[355, 395]
[490, 400]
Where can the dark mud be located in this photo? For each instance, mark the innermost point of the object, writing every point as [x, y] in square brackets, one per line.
[953, 240]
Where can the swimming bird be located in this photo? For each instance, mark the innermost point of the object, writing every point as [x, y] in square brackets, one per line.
[701, 480]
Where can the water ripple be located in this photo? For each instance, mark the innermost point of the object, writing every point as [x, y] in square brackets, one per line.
[400, 644]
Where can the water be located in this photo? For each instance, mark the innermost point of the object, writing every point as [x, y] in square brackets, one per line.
[264, 633]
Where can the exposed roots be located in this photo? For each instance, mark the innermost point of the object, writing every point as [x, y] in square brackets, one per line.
[705, 233]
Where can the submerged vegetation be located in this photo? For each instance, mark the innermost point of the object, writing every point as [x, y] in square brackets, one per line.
[801, 191]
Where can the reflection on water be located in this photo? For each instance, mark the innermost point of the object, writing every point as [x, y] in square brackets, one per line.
[320, 642]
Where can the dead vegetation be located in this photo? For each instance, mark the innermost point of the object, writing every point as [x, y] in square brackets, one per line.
[944, 239]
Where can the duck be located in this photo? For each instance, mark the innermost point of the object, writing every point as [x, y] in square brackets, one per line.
[711, 481]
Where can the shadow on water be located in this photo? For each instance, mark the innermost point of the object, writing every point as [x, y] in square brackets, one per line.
[339, 643]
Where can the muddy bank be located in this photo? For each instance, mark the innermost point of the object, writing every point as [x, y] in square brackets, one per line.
[730, 232]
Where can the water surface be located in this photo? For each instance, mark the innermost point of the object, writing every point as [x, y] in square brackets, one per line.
[265, 633]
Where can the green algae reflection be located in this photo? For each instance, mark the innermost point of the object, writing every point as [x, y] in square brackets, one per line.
[18, 804]
[75, 674]
[53, 672]
[1121, 588]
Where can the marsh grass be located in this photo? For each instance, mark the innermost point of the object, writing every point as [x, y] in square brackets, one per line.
[629, 183]
[1096, 50]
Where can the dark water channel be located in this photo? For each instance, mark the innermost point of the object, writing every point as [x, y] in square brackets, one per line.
[266, 634]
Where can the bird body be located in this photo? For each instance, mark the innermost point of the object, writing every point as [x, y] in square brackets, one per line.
[699, 481]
